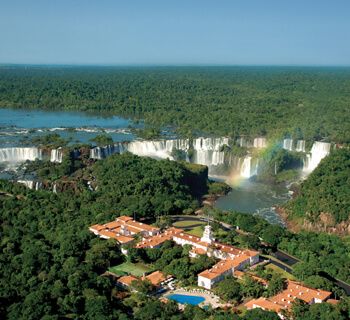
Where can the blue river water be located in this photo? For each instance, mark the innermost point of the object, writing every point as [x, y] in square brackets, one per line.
[17, 124]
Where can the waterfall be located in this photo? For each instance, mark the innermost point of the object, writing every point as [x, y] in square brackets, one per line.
[19, 154]
[246, 167]
[260, 143]
[288, 144]
[249, 167]
[56, 155]
[209, 143]
[28, 183]
[54, 188]
[319, 150]
[36, 185]
[207, 151]
[103, 152]
[218, 158]
[300, 146]
[243, 142]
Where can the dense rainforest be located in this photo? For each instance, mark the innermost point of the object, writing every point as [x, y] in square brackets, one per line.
[309, 103]
[51, 266]
[324, 197]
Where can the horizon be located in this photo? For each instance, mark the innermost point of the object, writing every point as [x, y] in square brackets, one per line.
[185, 33]
[141, 65]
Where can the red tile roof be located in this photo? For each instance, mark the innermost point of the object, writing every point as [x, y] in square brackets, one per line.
[284, 299]
[156, 278]
[127, 280]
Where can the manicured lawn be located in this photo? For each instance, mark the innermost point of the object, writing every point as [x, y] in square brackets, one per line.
[136, 269]
[185, 224]
[280, 271]
[196, 231]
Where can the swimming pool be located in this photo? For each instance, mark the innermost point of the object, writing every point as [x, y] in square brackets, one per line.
[183, 299]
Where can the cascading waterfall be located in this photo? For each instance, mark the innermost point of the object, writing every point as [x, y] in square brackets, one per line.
[207, 151]
[243, 142]
[31, 184]
[300, 146]
[319, 151]
[249, 167]
[288, 144]
[160, 149]
[19, 154]
[28, 183]
[56, 155]
[246, 167]
[260, 143]
[99, 153]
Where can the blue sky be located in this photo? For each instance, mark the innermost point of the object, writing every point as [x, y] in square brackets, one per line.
[236, 32]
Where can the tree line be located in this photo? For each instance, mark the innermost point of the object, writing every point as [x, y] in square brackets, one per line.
[309, 103]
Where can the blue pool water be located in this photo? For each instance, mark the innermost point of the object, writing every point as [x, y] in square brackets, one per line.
[183, 299]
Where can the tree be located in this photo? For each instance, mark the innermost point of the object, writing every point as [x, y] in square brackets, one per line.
[272, 234]
[260, 314]
[252, 288]
[303, 270]
[299, 309]
[276, 285]
[229, 289]
[142, 286]
[103, 254]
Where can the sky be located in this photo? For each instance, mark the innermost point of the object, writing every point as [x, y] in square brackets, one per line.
[175, 32]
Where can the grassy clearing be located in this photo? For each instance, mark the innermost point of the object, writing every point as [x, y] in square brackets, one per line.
[197, 231]
[282, 272]
[185, 224]
[136, 269]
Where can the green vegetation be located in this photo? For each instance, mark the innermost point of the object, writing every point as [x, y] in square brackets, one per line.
[103, 140]
[325, 191]
[196, 231]
[51, 264]
[173, 260]
[229, 289]
[136, 269]
[51, 140]
[185, 224]
[145, 186]
[310, 103]
[218, 188]
[279, 165]
[148, 133]
[280, 271]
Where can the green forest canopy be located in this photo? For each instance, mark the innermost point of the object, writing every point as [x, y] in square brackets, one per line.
[326, 190]
[310, 103]
[50, 263]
